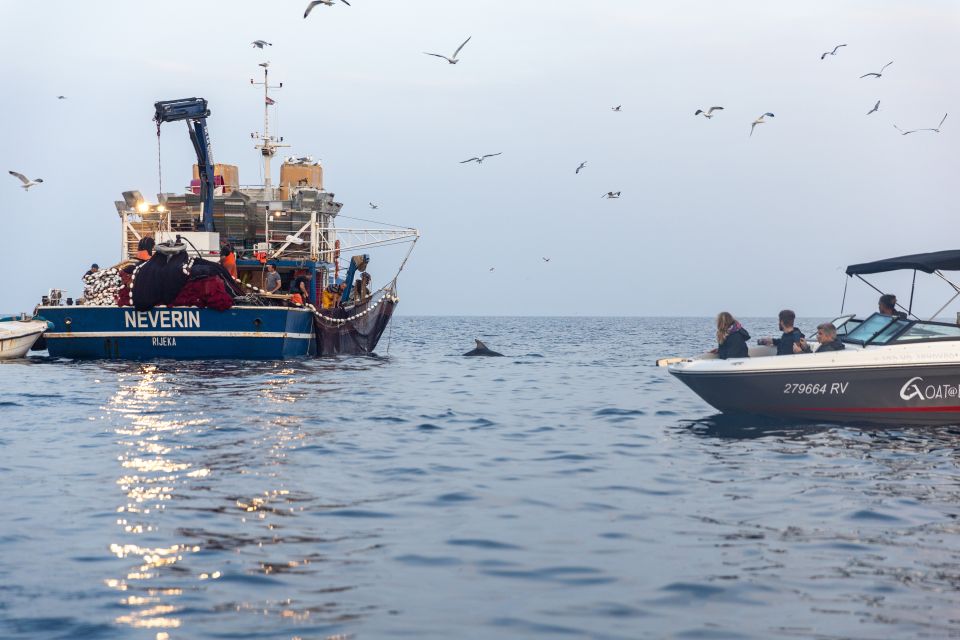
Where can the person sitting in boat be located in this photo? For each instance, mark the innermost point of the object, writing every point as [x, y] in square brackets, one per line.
[888, 306]
[145, 248]
[827, 337]
[300, 288]
[731, 337]
[791, 335]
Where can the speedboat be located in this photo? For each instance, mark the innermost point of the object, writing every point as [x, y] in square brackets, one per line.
[896, 369]
[17, 335]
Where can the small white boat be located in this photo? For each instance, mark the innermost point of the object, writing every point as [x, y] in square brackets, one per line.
[17, 336]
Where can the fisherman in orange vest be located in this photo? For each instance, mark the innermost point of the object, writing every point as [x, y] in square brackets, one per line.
[145, 248]
[228, 258]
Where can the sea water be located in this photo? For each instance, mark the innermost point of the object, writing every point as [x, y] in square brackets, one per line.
[570, 489]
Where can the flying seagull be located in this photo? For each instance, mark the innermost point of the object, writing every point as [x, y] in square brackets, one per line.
[61, 97]
[611, 194]
[374, 206]
[492, 268]
[264, 64]
[260, 44]
[616, 108]
[760, 120]
[832, 53]
[708, 113]
[879, 73]
[545, 259]
[876, 107]
[479, 160]
[902, 132]
[329, 3]
[452, 59]
[582, 165]
[27, 182]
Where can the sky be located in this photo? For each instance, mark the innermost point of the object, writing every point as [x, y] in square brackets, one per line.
[710, 218]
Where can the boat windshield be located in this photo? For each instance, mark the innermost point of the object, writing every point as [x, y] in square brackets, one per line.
[877, 329]
[931, 331]
[846, 324]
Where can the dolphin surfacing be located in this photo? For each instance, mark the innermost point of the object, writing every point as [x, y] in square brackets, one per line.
[481, 350]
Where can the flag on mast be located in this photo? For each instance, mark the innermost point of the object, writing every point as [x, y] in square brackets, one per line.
[270, 100]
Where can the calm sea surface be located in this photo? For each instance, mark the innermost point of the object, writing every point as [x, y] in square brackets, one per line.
[568, 490]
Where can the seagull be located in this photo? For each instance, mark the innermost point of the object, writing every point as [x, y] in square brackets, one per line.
[616, 108]
[545, 259]
[479, 160]
[453, 58]
[329, 3]
[611, 194]
[260, 44]
[832, 53]
[876, 107]
[492, 268]
[709, 112]
[374, 206]
[760, 120]
[27, 182]
[879, 73]
[61, 97]
[903, 133]
[582, 165]
[264, 64]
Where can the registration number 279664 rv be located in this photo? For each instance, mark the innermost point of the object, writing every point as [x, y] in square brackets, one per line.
[815, 389]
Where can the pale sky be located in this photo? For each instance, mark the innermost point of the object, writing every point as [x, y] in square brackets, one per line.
[710, 219]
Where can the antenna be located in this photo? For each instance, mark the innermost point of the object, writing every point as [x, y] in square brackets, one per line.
[268, 144]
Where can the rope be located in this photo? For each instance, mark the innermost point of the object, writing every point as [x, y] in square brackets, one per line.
[387, 295]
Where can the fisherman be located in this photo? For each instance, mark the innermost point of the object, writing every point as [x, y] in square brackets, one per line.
[791, 335]
[888, 306]
[361, 290]
[93, 269]
[300, 288]
[272, 281]
[228, 258]
[330, 296]
[145, 248]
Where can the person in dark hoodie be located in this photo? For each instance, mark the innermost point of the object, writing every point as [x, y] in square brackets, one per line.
[790, 342]
[827, 337]
[731, 336]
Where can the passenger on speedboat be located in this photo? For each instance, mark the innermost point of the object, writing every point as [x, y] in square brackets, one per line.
[827, 336]
[731, 336]
[888, 306]
[788, 343]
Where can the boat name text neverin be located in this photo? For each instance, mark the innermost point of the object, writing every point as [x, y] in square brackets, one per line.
[162, 319]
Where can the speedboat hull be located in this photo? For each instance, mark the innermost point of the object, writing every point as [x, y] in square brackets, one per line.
[182, 333]
[909, 385]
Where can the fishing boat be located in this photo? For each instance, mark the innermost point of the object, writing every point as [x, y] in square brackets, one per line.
[191, 280]
[18, 335]
[894, 369]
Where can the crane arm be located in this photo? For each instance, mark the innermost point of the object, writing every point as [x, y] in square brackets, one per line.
[195, 112]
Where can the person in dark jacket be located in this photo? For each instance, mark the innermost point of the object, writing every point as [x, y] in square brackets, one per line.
[788, 343]
[827, 336]
[731, 337]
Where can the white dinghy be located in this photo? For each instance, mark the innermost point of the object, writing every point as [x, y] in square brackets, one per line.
[17, 336]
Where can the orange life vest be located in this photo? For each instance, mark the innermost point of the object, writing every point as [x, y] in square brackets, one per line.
[229, 262]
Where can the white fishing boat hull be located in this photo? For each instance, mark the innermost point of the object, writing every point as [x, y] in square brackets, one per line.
[17, 336]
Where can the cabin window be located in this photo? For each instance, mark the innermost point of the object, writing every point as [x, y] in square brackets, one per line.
[877, 329]
[922, 331]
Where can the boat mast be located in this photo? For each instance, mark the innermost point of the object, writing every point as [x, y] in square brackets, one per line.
[268, 144]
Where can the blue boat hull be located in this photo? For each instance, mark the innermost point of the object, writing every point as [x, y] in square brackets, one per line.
[182, 333]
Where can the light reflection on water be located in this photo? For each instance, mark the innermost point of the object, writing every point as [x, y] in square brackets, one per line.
[569, 489]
